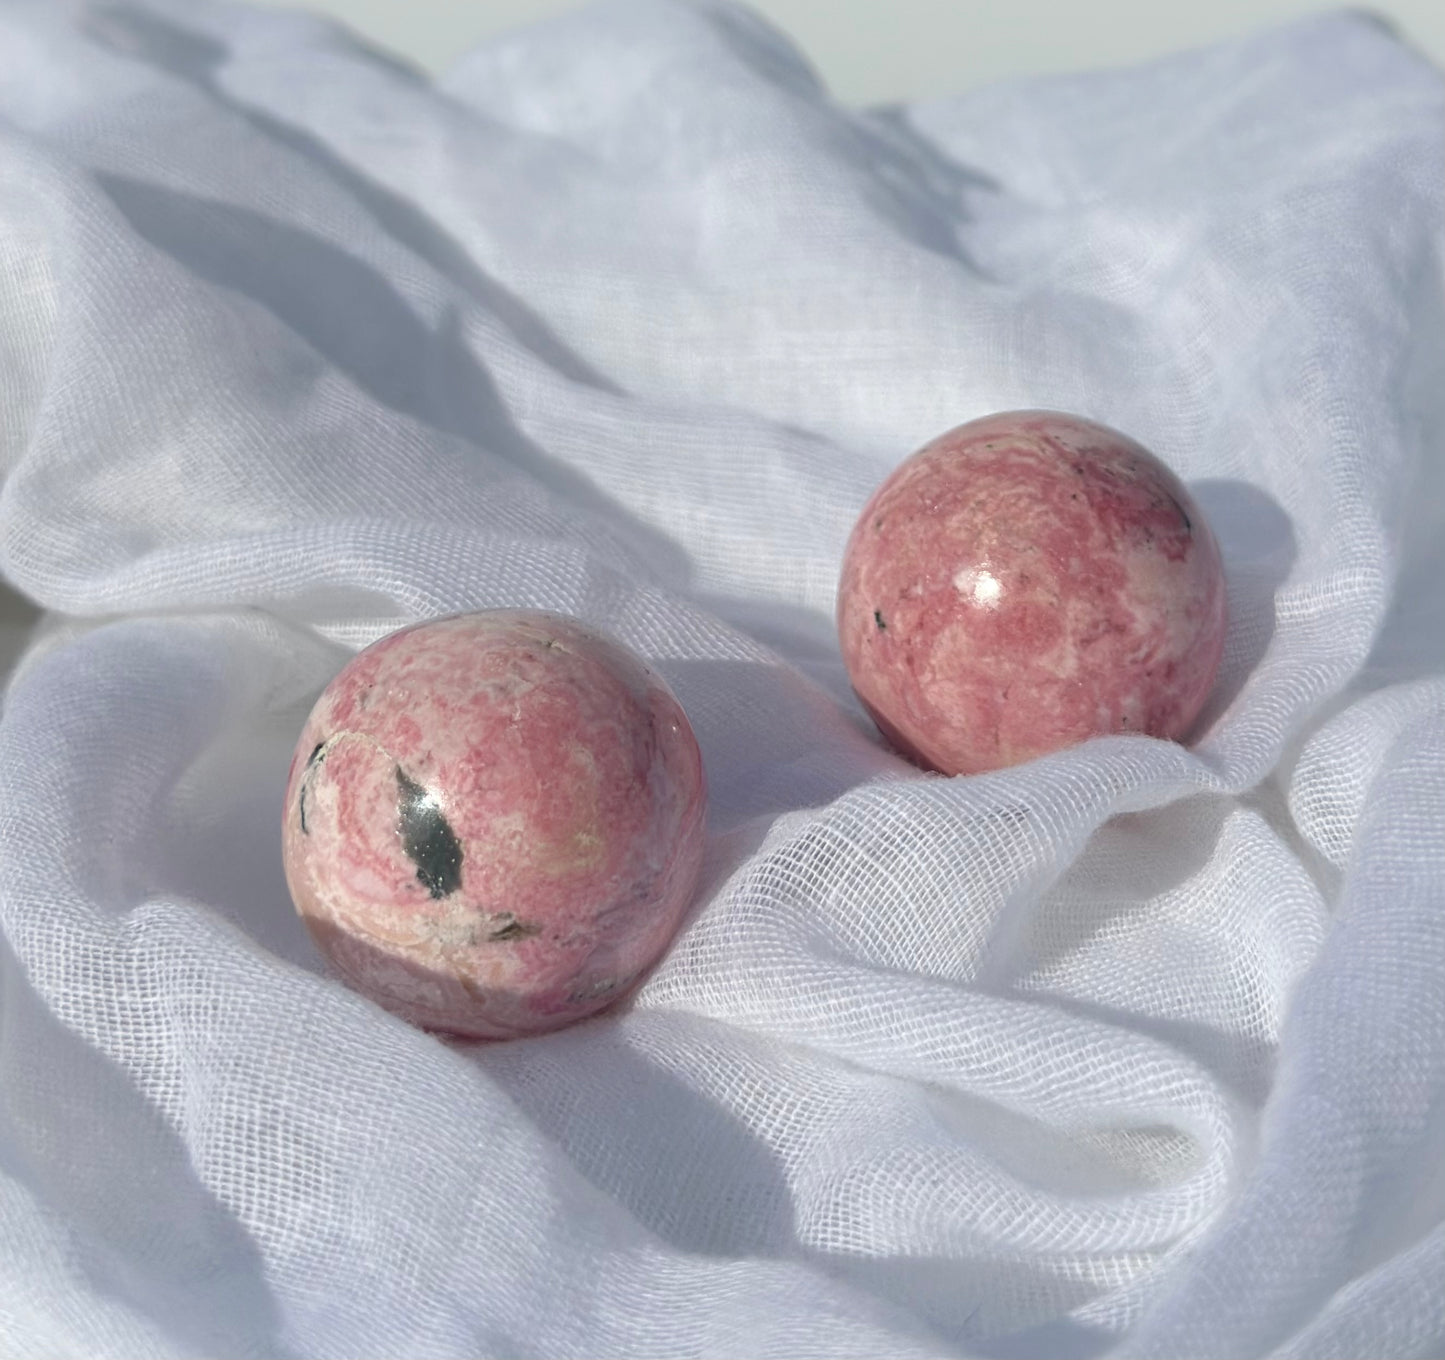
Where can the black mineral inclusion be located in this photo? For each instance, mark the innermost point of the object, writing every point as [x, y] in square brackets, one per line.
[427, 837]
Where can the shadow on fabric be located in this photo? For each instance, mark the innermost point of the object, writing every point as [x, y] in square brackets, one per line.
[1257, 541]
[681, 1164]
[196, 57]
[772, 741]
[182, 1255]
[353, 317]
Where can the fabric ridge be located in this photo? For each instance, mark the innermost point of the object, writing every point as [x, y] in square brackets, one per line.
[1136, 1050]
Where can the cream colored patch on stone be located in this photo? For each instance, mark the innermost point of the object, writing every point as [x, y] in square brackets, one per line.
[585, 847]
[979, 584]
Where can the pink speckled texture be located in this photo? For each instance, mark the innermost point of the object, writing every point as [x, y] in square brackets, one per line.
[494, 822]
[1024, 582]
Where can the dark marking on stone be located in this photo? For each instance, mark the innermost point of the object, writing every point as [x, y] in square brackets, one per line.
[513, 929]
[313, 762]
[427, 837]
[878, 524]
[878, 619]
[602, 987]
[1188, 523]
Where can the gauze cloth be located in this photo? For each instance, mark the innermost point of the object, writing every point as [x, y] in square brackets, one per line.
[1137, 1050]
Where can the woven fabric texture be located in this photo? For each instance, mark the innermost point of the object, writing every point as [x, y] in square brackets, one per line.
[1135, 1050]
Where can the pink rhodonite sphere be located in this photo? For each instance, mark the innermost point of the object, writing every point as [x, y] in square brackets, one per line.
[494, 822]
[1024, 582]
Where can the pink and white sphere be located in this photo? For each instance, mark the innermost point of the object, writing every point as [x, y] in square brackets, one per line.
[1025, 582]
[494, 822]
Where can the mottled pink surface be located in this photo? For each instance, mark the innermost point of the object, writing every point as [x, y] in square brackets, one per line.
[1024, 582]
[494, 822]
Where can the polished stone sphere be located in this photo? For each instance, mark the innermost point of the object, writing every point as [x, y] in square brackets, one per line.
[493, 823]
[1025, 582]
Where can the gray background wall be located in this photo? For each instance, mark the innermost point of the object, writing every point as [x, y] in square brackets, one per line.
[873, 51]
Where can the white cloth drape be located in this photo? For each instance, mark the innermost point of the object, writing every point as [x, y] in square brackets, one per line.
[1137, 1050]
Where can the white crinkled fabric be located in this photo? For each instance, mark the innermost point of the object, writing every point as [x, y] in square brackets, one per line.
[1137, 1050]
